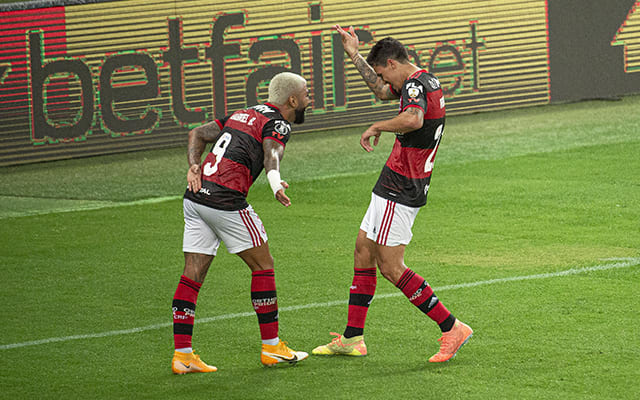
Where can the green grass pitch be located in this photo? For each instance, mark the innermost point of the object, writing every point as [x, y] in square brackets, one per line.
[90, 256]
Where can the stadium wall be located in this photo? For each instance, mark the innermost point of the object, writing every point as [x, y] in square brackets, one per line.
[80, 78]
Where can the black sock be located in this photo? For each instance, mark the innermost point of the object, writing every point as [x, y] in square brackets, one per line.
[447, 324]
[350, 332]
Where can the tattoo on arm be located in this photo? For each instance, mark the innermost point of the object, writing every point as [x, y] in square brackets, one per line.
[416, 116]
[372, 79]
[194, 153]
[210, 131]
[365, 70]
[198, 138]
[413, 110]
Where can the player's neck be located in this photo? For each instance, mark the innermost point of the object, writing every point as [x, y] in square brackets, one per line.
[409, 69]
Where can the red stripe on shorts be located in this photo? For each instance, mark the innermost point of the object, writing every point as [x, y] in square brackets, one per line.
[382, 224]
[255, 228]
[393, 214]
[385, 226]
[389, 220]
[246, 221]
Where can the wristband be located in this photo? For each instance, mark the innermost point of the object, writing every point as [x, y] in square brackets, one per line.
[275, 181]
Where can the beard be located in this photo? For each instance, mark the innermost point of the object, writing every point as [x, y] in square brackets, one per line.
[299, 116]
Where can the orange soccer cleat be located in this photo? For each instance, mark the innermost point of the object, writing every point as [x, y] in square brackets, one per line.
[452, 341]
[280, 353]
[343, 346]
[185, 363]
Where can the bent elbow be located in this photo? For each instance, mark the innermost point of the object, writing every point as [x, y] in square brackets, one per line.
[193, 133]
[417, 124]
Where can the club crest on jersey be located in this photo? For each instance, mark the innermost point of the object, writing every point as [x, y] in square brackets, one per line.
[282, 128]
[413, 90]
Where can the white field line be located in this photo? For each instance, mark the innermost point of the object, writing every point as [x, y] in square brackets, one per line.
[623, 263]
[98, 205]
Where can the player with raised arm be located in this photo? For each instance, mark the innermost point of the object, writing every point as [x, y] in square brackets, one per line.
[216, 210]
[397, 196]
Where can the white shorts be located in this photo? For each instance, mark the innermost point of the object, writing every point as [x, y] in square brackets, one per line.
[387, 222]
[206, 227]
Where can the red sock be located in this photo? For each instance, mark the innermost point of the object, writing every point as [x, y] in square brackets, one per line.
[184, 311]
[361, 294]
[421, 295]
[265, 302]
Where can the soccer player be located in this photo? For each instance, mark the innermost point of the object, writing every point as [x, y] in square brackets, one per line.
[215, 209]
[397, 196]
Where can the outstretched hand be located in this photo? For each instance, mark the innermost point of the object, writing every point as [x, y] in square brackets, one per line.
[350, 40]
[281, 197]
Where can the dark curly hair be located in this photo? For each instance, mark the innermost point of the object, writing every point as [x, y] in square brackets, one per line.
[385, 49]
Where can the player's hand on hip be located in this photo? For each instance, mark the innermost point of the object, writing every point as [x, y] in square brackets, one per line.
[365, 139]
[350, 40]
[281, 197]
[194, 179]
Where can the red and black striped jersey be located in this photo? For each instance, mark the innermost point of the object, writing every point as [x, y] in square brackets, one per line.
[406, 176]
[236, 158]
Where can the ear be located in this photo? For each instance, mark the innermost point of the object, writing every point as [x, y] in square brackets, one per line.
[293, 101]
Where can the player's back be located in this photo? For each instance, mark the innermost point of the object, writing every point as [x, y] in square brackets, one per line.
[236, 158]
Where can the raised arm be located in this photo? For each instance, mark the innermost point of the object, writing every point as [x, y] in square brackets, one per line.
[273, 153]
[350, 43]
[198, 139]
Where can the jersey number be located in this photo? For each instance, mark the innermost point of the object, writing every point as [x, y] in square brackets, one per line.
[428, 165]
[218, 150]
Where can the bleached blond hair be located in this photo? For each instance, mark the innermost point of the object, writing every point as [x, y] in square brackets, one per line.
[284, 85]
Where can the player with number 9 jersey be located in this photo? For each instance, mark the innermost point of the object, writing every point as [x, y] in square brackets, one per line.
[236, 157]
[216, 211]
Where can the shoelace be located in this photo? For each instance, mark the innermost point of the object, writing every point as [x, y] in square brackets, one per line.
[336, 340]
[447, 343]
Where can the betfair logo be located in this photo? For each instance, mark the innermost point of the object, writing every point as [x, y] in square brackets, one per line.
[628, 35]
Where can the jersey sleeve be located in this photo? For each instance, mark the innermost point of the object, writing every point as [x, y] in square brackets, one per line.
[222, 121]
[278, 130]
[414, 94]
